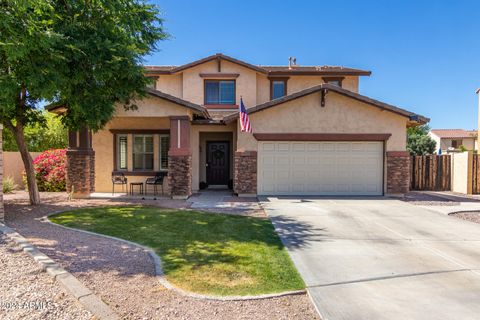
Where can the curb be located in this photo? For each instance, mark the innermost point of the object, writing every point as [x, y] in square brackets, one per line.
[72, 285]
[160, 275]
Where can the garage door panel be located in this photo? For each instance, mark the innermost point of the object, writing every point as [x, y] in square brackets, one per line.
[321, 168]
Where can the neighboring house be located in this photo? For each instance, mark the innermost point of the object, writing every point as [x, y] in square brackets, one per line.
[313, 133]
[453, 139]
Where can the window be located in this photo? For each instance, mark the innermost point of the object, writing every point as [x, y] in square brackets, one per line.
[278, 88]
[122, 152]
[152, 82]
[336, 81]
[143, 152]
[219, 91]
[164, 146]
[456, 143]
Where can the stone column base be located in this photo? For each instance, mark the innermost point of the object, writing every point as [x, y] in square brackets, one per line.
[398, 172]
[180, 175]
[80, 175]
[245, 173]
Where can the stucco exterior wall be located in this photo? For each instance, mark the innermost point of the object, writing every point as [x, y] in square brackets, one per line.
[468, 143]
[461, 172]
[13, 166]
[246, 83]
[436, 139]
[153, 107]
[263, 89]
[102, 142]
[198, 141]
[171, 84]
[340, 115]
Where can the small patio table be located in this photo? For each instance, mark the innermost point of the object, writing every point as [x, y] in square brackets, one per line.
[134, 184]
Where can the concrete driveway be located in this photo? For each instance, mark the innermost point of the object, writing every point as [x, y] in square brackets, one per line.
[381, 258]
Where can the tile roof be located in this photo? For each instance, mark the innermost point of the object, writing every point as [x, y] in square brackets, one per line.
[268, 70]
[454, 133]
[381, 105]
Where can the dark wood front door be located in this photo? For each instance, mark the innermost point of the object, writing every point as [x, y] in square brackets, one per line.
[218, 158]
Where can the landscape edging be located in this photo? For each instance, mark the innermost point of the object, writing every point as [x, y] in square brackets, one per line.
[72, 285]
[160, 275]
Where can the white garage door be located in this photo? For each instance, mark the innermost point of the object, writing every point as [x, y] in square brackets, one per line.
[320, 168]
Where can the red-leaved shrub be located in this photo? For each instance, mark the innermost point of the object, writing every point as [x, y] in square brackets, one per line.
[50, 170]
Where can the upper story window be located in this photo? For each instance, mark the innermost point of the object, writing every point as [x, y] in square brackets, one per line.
[152, 84]
[219, 91]
[336, 81]
[278, 89]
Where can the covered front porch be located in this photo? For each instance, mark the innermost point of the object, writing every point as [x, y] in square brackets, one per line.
[179, 154]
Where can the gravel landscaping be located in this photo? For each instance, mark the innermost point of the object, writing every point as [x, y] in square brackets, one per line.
[26, 292]
[423, 199]
[123, 275]
[473, 216]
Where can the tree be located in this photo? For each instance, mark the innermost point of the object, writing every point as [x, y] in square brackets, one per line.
[419, 142]
[85, 55]
[48, 134]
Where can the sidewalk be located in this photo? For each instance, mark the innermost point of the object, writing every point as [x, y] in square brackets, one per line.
[225, 201]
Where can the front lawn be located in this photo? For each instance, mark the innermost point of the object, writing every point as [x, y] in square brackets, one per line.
[201, 252]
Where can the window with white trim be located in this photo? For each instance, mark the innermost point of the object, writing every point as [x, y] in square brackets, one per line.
[122, 154]
[142, 152]
[164, 146]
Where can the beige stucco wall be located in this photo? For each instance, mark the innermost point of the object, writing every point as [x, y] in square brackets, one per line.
[103, 146]
[13, 166]
[252, 86]
[153, 107]
[102, 142]
[298, 83]
[263, 89]
[193, 84]
[340, 115]
[198, 141]
[461, 172]
[436, 139]
[468, 143]
[171, 84]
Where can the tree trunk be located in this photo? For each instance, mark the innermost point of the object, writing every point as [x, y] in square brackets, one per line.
[27, 162]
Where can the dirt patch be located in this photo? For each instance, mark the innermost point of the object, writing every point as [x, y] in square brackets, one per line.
[123, 275]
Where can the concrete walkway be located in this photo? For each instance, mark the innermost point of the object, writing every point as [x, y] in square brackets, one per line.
[381, 258]
[222, 200]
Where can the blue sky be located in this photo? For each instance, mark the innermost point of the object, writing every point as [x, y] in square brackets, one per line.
[424, 55]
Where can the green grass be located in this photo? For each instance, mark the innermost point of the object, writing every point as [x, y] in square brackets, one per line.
[201, 252]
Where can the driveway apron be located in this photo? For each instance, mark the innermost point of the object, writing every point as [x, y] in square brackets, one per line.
[379, 258]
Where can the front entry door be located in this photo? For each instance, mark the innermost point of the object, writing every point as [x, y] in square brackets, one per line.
[218, 171]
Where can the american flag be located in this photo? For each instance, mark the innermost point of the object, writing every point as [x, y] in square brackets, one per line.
[245, 125]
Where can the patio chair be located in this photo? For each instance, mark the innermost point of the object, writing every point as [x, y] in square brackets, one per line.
[118, 178]
[155, 181]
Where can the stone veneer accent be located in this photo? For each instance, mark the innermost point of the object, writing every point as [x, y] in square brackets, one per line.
[245, 172]
[180, 176]
[80, 172]
[398, 172]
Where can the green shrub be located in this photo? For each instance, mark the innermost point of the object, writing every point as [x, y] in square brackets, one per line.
[8, 185]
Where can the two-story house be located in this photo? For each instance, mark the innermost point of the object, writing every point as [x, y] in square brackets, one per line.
[313, 133]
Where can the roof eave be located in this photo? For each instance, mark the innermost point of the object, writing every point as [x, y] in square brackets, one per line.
[181, 102]
[319, 73]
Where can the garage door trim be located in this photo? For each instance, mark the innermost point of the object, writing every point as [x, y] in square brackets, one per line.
[322, 136]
